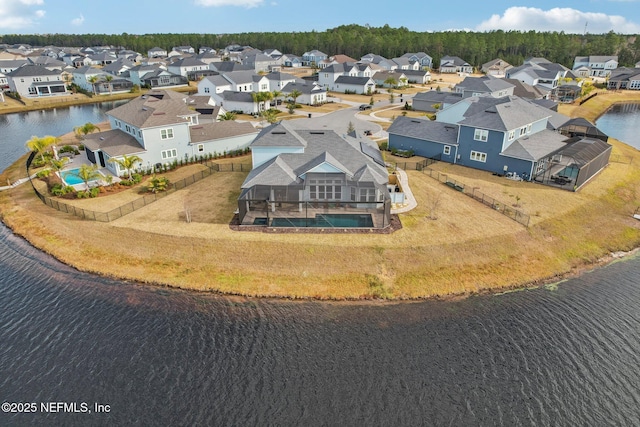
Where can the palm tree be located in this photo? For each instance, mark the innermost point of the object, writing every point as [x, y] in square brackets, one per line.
[295, 94]
[58, 164]
[108, 79]
[87, 173]
[40, 145]
[127, 162]
[270, 115]
[275, 94]
[93, 80]
[229, 115]
[85, 129]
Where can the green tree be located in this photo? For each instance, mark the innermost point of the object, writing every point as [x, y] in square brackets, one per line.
[270, 115]
[41, 144]
[84, 130]
[93, 80]
[126, 162]
[391, 82]
[87, 173]
[58, 164]
[294, 94]
[108, 78]
[158, 184]
[229, 115]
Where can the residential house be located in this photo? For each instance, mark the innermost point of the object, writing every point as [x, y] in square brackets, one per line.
[347, 78]
[120, 67]
[213, 84]
[314, 178]
[624, 78]
[501, 135]
[453, 64]
[259, 62]
[311, 93]
[87, 77]
[403, 63]
[278, 80]
[206, 49]
[9, 65]
[247, 81]
[382, 62]
[155, 76]
[417, 76]
[485, 85]
[184, 49]
[335, 59]
[598, 65]
[161, 129]
[543, 75]
[239, 102]
[313, 58]
[206, 106]
[292, 61]
[424, 60]
[208, 57]
[434, 100]
[229, 66]
[36, 81]
[390, 79]
[496, 67]
[103, 58]
[191, 67]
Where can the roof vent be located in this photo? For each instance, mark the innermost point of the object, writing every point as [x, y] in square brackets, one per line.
[278, 133]
[316, 133]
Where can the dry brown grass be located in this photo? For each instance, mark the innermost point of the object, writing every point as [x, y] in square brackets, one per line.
[469, 248]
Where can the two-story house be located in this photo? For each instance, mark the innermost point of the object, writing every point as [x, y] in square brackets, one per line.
[36, 81]
[425, 61]
[313, 57]
[454, 64]
[347, 78]
[161, 129]
[485, 85]
[188, 67]
[597, 65]
[504, 135]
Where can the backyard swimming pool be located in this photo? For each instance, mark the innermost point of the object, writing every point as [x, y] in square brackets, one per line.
[70, 177]
[322, 220]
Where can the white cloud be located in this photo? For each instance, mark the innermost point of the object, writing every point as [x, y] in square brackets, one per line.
[78, 21]
[19, 14]
[216, 3]
[558, 19]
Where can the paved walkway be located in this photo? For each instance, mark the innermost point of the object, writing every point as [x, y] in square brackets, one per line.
[16, 183]
[409, 201]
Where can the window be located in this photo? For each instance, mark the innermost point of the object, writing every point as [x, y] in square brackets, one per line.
[478, 156]
[367, 194]
[481, 135]
[206, 90]
[447, 150]
[166, 133]
[200, 148]
[169, 154]
[326, 190]
[512, 134]
[529, 128]
[523, 130]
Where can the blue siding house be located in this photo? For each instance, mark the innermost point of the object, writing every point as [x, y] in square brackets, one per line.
[500, 135]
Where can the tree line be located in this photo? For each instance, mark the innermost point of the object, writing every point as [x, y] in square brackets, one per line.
[356, 41]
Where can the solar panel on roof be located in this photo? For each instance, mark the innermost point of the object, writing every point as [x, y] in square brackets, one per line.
[376, 155]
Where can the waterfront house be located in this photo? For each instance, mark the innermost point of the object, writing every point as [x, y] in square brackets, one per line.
[624, 78]
[33, 81]
[597, 65]
[505, 135]
[187, 67]
[300, 176]
[162, 129]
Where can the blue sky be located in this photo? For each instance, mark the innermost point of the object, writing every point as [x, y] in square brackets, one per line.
[239, 16]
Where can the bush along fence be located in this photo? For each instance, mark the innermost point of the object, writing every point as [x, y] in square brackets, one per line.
[486, 200]
[141, 202]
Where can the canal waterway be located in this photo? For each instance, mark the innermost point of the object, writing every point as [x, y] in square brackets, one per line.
[561, 355]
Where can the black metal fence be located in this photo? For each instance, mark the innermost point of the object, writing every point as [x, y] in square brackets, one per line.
[472, 192]
[141, 202]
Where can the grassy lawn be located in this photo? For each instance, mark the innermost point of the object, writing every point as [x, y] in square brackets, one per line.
[460, 247]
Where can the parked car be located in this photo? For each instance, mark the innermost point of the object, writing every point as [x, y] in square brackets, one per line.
[365, 107]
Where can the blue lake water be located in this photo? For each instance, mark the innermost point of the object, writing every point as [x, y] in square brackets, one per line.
[622, 122]
[565, 355]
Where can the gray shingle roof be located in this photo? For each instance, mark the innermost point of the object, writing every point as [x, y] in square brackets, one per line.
[113, 142]
[502, 114]
[323, 146]
[220, 130]
[427, 130]
[149, 110]
[536, 146]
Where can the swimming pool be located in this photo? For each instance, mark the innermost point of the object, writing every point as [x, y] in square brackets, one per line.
[322, 220]
[70, 177]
